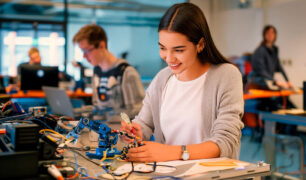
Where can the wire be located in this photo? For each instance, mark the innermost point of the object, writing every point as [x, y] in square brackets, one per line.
[6, 104]
[74, 176]
[52, 131]
[76, 160]
[42, 122]
[145, 172]
[104, 156]
[97, 164]
[80, 167]
[51, 117]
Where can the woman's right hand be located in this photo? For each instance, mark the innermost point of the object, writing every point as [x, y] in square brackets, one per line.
[281, 84]
[133, 128]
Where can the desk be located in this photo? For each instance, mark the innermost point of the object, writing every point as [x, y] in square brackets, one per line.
[254, 96]
[271, 119]
[41, 94]
[250, 171]
[270, 124]
[257, 93]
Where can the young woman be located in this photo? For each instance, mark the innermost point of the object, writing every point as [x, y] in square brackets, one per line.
[194, 106]
[265, 61]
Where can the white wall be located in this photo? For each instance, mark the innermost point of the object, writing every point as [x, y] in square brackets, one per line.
[237, 31]
[206, 7]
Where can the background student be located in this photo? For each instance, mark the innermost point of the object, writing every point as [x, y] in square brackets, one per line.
[116, 84]
[35, 59]
[265, 62]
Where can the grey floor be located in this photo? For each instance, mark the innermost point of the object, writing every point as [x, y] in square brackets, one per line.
[287, 152]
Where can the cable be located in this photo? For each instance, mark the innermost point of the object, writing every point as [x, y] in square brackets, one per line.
[74, 176]
[145, 172]
[52, 131]
[6, 104]
[80, 154]
[42, 122]
[104, 156]
[80, 167]
[76, 160]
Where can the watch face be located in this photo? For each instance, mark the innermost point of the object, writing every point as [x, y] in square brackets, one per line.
[185, 156]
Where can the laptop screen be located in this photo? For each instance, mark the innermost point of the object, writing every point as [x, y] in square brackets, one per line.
[59, 101]
[33, 77]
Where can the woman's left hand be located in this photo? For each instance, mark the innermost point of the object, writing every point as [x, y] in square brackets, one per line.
[150, 152]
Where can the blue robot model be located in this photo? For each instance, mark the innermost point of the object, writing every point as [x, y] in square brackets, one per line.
[107, 138]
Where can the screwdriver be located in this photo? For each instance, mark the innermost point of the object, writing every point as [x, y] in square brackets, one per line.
[126, 119]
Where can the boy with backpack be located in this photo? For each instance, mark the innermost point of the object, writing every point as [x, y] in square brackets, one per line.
[116, 84]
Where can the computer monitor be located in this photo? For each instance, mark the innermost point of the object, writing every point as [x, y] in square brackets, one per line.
[33, 77]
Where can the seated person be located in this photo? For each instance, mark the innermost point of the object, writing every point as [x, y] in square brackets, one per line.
[116, 84]
[35, 58]
[265, 64]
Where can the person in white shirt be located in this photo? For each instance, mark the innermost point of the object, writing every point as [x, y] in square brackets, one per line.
[194, 106]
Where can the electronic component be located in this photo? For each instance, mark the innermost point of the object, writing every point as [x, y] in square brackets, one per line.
[22, 136]
[38, 111]
[107, 138]
[19, 151]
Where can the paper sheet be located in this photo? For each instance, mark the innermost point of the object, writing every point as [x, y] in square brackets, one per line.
[196, 168]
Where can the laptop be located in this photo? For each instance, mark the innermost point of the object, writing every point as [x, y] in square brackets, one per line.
[60, 103]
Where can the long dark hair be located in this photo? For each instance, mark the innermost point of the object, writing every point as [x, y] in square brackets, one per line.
[264, 31]
[188, 19]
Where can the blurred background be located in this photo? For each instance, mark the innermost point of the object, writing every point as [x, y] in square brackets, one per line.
[131, 26]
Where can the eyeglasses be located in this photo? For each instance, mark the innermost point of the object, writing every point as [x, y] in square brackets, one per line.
[86, 51]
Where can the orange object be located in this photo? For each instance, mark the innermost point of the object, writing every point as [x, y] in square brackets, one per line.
[228, 162]
[250, 119]
[41, 94]
[102, 97]
[257, 93]
[2, 131]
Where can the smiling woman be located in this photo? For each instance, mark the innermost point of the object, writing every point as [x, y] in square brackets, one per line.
[194, 106]
[181, 55]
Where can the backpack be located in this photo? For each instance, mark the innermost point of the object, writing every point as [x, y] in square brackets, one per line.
[117, 72]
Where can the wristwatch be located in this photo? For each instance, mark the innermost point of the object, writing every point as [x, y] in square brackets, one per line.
[185, 154]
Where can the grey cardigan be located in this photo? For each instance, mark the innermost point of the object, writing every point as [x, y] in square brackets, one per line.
[222, 108]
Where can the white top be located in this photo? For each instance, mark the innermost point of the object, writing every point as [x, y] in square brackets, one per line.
[181, 114]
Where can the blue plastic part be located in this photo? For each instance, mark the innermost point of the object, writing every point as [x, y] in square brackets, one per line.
[107, 138]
